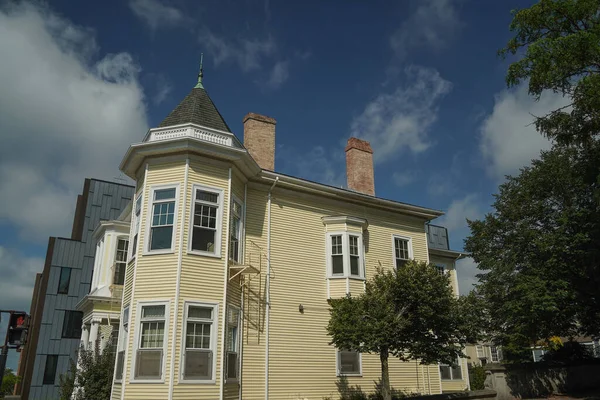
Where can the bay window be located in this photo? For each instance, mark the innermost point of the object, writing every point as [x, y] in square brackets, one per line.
[162, 218]
[151, 345]
[206, 220]
[345, 255]
[200, 342]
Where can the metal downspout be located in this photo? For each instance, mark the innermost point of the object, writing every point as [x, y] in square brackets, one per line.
[268, 290]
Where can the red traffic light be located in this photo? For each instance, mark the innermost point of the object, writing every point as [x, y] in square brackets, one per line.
[19, 320]
[17, 328]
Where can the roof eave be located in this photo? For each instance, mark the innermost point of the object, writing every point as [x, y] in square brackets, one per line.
[449, 253]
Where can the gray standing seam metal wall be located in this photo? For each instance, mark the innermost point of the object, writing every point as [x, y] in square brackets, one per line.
[105, 202]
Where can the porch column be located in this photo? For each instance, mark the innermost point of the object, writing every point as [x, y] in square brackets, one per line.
[85, 336]
[94, 332]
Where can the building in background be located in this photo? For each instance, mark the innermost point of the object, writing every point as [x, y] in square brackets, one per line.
[483, 353]
[231, 265]
[56, 324]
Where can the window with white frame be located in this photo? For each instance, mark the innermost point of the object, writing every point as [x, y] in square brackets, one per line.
[232, 356]
[345, 254]
[200, 332]
[137, 211]
[120, 261]
[480, 352]
[235, 230]
[123, 328]
[495, 354]
[163, 218]
[441, 268]
[402, 251]
[448, 372]
[348, 363]
[206, 226]
[151, 342]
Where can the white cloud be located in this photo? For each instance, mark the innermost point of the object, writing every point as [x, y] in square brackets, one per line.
[509, 139]
[279, 74]
[432, 24]
[404, 178]
[400, 120]
[156, 14]
[455, 219]
[62, 117]
[248, 54]
[18, 272]
[466, 270]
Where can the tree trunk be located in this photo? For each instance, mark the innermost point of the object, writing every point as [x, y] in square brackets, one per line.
[385, 375]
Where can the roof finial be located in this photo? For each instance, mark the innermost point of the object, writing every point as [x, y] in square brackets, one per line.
[201, 73]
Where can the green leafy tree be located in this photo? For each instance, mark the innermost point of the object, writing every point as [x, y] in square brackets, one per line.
[92, 378]
[538, 251]
[409, 313]
[558, 44]
[9, 380]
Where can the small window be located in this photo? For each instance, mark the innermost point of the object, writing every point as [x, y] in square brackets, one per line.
[235, 240]
[401, 251]
[149, 357]
[538, 354]
[136, 223]
[120, 262]
[163, 217]
[349, 362]
[480, 352]
[337, 255]
[72, 324]
[495, 354]
[233, 315]
[441, 268]
[64, 281]
[199, 346]
[206, 229]
[448, 372]
[50, 370]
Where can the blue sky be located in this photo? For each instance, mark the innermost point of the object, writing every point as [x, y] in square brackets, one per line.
[419, 79]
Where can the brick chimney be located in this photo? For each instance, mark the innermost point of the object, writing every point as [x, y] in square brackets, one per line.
[259, 139]
[359, 166]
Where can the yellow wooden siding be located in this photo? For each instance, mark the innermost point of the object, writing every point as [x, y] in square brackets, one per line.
[128, 284]
[357, 286]
[337, 288]
[116, 391]
[302, 363]
[450, 270]
[155, 279]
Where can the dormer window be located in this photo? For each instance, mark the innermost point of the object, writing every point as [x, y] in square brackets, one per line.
[120, 261]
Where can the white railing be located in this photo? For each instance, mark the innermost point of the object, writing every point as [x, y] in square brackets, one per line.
[190, 131]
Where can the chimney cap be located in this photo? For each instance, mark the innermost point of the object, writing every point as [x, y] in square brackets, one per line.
[356, 143]
[259, 117]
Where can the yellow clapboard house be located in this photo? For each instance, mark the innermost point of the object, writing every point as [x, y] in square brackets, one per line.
[230, 266]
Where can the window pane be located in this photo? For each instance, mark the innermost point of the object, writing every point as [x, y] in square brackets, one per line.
[198, 364]
[153, 311]
[161, 238]
[200, 312]
[72, 324]
[457, 372]
[138, 205]
[349, 362]
[64, 281]
[441, 269]
[400, 263]
[445, 372]
[494, 351]
[148, 364]
[50, 370]
[336, 244]
[232, 365]
[202, 195]
[119, 367]
[354, 267]
[119, 276]
[337, 264]
[353, 245]
[203, 239]
[164, 194]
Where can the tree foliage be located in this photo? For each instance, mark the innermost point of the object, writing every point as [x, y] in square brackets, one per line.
[538, 251]
[92, 378]
[558, 42]
[409, 313]
[9, 380]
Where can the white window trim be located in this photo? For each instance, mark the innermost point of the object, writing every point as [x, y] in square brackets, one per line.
[132, 250]
[410, 247]
[219, 223]
[125, 262]
[138, 332]
[346, 255]
[122, 342]
[148, 228]
[338, 368]
[237, 344]
[213, 342]
[453, 379]
[241, 228]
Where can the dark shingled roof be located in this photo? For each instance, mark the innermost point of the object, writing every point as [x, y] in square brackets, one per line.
[196, 108]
